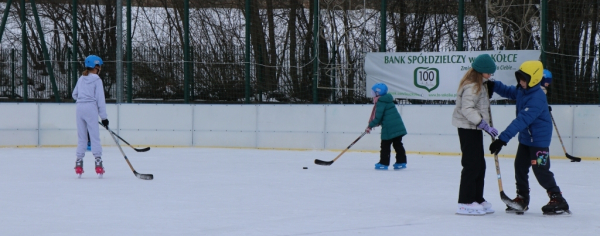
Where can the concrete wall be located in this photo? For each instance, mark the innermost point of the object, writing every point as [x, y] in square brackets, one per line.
[317, 127]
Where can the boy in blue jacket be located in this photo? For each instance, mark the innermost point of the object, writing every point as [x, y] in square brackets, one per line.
[534, 125]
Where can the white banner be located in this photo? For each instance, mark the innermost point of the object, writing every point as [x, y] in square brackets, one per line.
[435, 75]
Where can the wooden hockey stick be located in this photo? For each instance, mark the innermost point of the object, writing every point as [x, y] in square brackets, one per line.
[328, 163]
[503, 196]
[573, 159]
[141, 176]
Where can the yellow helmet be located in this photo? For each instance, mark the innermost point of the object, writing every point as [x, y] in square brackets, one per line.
[531, 72]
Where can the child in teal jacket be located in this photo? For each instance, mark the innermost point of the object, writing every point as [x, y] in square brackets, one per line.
[392, 128]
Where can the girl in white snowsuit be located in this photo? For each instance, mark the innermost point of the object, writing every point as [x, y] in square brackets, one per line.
[89, 94]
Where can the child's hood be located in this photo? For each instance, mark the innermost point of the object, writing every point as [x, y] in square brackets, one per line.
[386, 98]
[90, 79]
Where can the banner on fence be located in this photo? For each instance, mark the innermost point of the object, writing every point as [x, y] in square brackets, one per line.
[435, 75]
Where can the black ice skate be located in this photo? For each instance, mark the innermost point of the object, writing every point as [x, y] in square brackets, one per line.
[557, 205]
[523, 200]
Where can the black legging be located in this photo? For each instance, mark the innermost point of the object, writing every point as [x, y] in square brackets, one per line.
[473, 162]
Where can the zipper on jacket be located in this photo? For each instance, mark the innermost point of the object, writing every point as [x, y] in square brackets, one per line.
[530, 134]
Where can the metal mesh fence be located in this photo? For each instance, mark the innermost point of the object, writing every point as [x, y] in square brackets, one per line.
[299, 51]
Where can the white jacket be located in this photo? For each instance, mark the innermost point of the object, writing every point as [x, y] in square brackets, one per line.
[470, 107]
[90, 89]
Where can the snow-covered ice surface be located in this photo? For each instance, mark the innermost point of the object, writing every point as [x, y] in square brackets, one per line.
[209, 191]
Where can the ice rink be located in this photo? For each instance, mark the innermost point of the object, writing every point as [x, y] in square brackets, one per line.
[211, 191]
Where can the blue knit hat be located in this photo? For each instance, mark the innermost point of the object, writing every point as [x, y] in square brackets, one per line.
[484, 64]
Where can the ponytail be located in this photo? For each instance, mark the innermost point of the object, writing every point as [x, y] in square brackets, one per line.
[87, 71]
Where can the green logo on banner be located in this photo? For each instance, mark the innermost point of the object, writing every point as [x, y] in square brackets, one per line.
[427, 78]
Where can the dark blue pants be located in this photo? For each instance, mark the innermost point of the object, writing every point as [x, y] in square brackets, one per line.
[473, 162]
[541, 171]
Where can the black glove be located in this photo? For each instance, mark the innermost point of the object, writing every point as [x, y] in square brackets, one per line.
[490, 88]
[105, 123]
[496, 146]
[549, 108]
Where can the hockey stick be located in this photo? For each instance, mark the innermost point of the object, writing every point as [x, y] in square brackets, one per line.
[503, 196]
[328, 163]
[136, 149]
[141, 176]
[509, 202]
[573, 159]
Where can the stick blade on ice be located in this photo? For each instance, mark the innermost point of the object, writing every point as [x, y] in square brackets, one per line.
[509, 202]
[142, 149]
[573, 159]
[323, 163]
[144, 176]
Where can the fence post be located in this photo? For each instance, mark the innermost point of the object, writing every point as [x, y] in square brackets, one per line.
[129, 56]
[461, 19]
[4, 18]
[544, 29]
[186, 51]
[45, 52]
[12, 73]
[192, 78]
[24, 51]
[119, 56]
[75, 49]
[316, 51]
[383, 46]
[333, 73]
[69, 80]
[247, 54]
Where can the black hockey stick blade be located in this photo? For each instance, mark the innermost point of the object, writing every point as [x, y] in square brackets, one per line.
[140, 176]
[509, 202]
[573, 159]
[142, 149]
[323, 163]
[143, 176]
[136, 149]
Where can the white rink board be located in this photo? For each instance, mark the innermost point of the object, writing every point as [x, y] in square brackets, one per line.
[232, 139]
[563, 117]
[15, 138]
[297, 118]
[290, 140]
[155, 117]
[225, 126]
[160, 137]
[586, 139]
[58, 116]
[58, 120]
[19, 124]
[430, 129]
[210, 118]
[22, 116]
[331, 127]
[347, 118]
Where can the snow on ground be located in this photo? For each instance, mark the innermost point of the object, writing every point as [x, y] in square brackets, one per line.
[208, 191]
